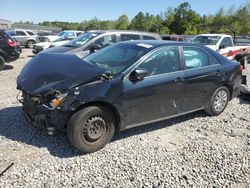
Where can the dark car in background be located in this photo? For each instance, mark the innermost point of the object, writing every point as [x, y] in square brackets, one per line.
[10, 49]
[91, 41]
[123, 86]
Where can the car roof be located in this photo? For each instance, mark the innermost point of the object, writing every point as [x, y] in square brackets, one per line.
[214, 34]
[121, 31]
[158, 43]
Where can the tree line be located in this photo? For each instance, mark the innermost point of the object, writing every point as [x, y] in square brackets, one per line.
[179, 20]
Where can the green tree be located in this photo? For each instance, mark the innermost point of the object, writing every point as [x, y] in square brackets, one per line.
[185, 20]
[138, 22]
[122, 23]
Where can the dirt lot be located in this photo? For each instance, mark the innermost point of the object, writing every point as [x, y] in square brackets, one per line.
[190, 151]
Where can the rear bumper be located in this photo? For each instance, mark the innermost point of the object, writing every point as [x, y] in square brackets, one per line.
[14, 56]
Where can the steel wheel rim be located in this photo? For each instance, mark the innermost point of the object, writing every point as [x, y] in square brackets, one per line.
[220, 100]
[94, 128]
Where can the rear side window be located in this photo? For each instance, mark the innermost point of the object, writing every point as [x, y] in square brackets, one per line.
[20, 33]
[145, 37]
[30, 33]
[195, 58]
[125, 37]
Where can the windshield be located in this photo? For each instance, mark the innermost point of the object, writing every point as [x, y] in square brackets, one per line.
[206, 40]
[62, 33]
[118, 57]
[82, 39]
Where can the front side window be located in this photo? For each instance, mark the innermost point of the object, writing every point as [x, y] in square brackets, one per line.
[20, 33]
[163, 61]
[106, 41]
[195, 58]
[117, 58]
[125, 37]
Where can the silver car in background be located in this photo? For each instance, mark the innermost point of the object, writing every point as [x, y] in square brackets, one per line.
[25, 37]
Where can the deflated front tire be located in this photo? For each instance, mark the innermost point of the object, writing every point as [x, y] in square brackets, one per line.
[91, 128]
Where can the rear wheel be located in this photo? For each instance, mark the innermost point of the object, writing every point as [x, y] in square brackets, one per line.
[30, 43]
[2, 63]
[218, 101]
[91, 128]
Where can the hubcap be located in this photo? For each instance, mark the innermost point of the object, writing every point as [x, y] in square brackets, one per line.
[94, 128]
[220, 101]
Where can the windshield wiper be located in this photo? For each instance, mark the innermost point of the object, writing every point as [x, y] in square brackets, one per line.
[68, 45]
[106, 76]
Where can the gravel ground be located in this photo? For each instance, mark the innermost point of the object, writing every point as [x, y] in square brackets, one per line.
[190, 151]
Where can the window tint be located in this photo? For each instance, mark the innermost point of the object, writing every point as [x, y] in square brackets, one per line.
[163, 61]
[145, 37]
[125, 37]
[226, 42]
[106, 41]
[195, 58]
[30, 33]
[213, 61]
[20, 33]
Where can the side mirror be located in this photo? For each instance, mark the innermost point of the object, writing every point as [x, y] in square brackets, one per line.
[94, 47]
[138, 74]
[221, 47]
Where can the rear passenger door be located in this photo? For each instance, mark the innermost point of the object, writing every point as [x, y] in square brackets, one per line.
[21, 36]
[202, 75]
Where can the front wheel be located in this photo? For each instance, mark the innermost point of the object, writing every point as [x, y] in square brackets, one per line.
[2, 63]
[30, 44]
[218, 101]
[91, 128]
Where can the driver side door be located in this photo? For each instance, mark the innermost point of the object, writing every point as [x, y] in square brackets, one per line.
[159, 94]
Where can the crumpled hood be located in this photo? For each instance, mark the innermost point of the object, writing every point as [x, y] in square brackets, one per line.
[55, 71]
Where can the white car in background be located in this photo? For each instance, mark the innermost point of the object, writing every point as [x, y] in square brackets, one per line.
[45, 45]
[62, 34]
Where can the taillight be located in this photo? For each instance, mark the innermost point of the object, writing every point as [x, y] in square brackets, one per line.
[241, 68]
[11, 43]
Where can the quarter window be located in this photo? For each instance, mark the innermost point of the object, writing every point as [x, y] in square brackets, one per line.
[195, 58]
[125, 37]
[163, 61]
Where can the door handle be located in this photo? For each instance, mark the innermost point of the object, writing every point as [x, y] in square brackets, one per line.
[217, 73]
[179, 80]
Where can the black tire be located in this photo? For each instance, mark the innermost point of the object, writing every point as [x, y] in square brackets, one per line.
[216, 105]
[2, 63]
[30, 43]
[91, 128]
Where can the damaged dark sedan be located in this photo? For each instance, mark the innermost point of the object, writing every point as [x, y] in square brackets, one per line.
[123, 86]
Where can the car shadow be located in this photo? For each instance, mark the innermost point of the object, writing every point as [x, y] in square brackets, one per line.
[31, 55]
[8, 67]
[20, 130]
